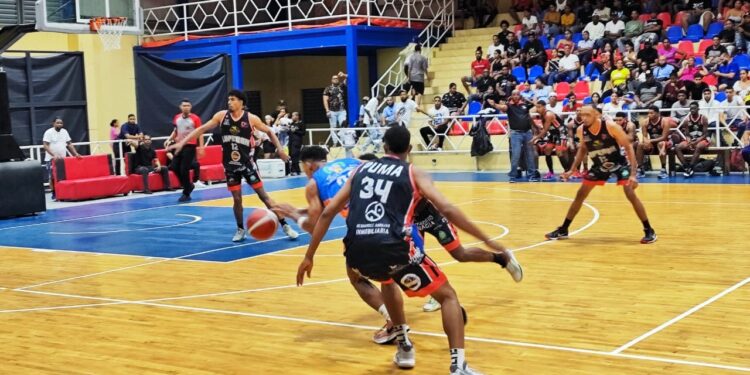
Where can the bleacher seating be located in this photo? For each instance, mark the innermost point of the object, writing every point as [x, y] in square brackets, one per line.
[534, 72]
[687, 48]
[520, 73]
[694, 33]
[666, 19]
[562, 90]
[581, 89]
[87, 178]
[714, 29]
[674, 33]
[705, 43]
[742, 60]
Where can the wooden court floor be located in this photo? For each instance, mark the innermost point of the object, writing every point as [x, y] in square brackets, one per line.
[599, 303]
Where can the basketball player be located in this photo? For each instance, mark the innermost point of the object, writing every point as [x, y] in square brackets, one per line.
[601, 140]
[552, 138]
[575, 122]
[327, 178]
[655, 130]
[382, 243]
[237, 126]
[627, 126]
[695, 129]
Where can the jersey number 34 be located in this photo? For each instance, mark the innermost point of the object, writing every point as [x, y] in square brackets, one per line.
[372, 187]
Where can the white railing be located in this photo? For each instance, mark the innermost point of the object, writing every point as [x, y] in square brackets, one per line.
[393, 78]
[240, 15]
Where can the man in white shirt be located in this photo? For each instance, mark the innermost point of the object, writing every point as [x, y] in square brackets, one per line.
[439, 120]
[530, 23]
[56, 141]
[570, 67]
[585, 48]
[712, 109]
[595, 28]
[554, 105]
[372, 120]
[404, 108]
[614, 29]
[602, 11]
[614, 106]
[495, 46]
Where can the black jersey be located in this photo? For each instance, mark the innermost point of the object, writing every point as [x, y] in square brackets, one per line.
[382, 203]
[603, 149]
[557, 131]
[655, 129]
[237, 142]
[694, 127]
[576, 124]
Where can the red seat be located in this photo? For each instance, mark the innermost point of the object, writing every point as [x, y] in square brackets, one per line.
[581, 89]
[686, 47]
[550, 54]
[665, 18]
[154, 179]
[644, 17]
[212, 167]
[87, 178]
[678, 18]
[711, 80]
[460, 128]
[562, 90]
[702, 46]
[517, 28]
[497, 127]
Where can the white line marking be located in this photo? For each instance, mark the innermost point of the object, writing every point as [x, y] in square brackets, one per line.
[150, 263]
[420, 333]
[195, 219]
[65, 307]
[681, 316]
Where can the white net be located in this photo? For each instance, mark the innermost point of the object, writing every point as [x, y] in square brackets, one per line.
[110, 32]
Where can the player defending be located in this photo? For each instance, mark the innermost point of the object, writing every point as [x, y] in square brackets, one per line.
[327, 178]
[601, 140]
[383, 244]
[237, 126]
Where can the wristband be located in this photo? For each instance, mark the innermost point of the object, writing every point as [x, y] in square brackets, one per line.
[301, 221]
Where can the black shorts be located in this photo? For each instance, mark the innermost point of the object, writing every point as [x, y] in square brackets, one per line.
[249, 173]
[598, 177]
[417, 86]
[268, 147]
[429, 220]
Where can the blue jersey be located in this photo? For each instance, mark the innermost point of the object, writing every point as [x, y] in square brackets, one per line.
[332, 177]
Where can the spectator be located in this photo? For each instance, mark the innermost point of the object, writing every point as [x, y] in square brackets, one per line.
[727, 71]
[519, 121]
[497, 65]
[534, 52]
[503, 34]
[572, 104]
[641, 71]
[662, 71]
[711, 109]
[540, 90]
[669, 52]
[530, 23]
[584, 13]
[184, 123]
[504, 82]
[495, 46]
[147, 162]
[713, 53]
[695, 89]
[652, 30]
[522, 7]
[334, 102]
[296, 134]
[649, 93]
[415, 68]
[131, 133]
[561, 5]
[454, 100]
[596, 100]
[742, 87]
[647, 54]
[389, 111]
[728, 37]
[552, 68]
[595, 28]
[114, 135]
[671, 88]
[372, 121]
[698, 12]
[485, 13]
[629, 57]
[744, 33]
[680, 108]
[585, 49]
[689, 71]
[554, 105]
[736, 13]
[568, 20]
[567, 40]
[552, 21]
[513, 50]
[266, 146]
[735, 117]
[695, 130]
[437, 127]
[601, 11]
[56, 140]
[570, 68]
[281, 126]
[405, 107]
[614, 105]
[478, 67]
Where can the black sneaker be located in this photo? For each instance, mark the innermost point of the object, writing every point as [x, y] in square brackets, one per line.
[649, 237]
[148, 192]
[640, 173]
[184, 198]
[557, 234]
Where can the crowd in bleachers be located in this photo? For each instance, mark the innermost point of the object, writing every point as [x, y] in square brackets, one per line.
[621, 55]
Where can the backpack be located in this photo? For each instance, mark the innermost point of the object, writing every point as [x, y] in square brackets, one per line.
[737, 163]
[705, 165]
[481, 144]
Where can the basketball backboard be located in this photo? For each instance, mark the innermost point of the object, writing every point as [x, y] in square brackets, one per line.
[72, 16]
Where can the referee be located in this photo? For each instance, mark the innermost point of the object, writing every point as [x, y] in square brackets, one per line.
[184, 123]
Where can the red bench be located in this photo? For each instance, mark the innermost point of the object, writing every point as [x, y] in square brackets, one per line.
[87, 178]
[154, 179]
[212, 165]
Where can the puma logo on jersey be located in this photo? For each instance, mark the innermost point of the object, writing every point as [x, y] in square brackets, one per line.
[383, 169]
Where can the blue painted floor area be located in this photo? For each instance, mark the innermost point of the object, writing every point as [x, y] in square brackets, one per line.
[156, 226]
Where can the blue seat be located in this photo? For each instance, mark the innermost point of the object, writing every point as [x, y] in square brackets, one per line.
[714, 29]
[534, 72]
[545, 41]
[565, 102]
[592, 71]
[694, 33]
[698, 60]
[720, 96]
[674, 34]
[520, 73]
[558, 38]
[606, 100]
[587, 100]
[474, 107]
[523, 41]
[742, 61]
[577, 37]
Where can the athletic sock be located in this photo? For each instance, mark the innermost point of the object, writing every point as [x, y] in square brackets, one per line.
[548, 159]
[402, 336]
[384, 312]
[500, 258]
[647, 225]
[282, 222]
[458, 357]
[566, 224]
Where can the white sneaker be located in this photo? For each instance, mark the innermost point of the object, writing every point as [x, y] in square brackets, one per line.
[405, 357]
[431, 305]
[464, 370]
[199, 185]
[239, 236]
[289, 231]
[514, 268]
[385, 335]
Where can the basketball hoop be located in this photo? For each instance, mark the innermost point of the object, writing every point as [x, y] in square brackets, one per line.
[109, 29]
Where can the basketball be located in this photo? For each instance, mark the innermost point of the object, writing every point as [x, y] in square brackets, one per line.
[262, 224]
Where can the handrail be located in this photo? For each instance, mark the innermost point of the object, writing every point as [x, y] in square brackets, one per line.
[393, 78]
